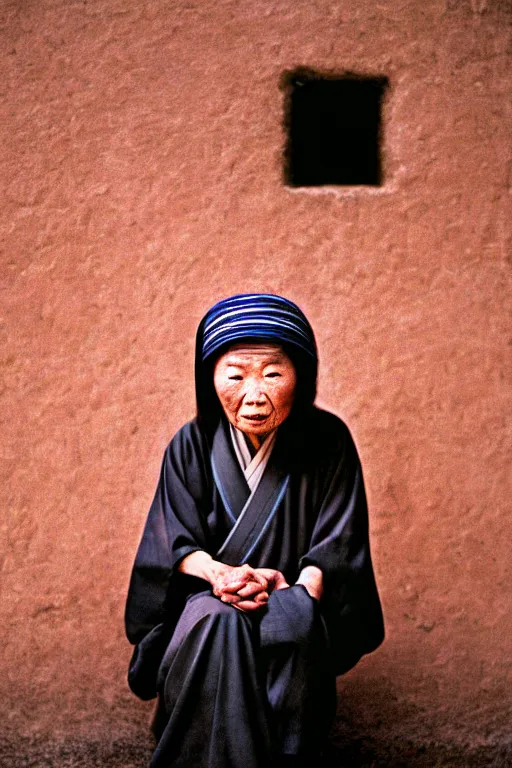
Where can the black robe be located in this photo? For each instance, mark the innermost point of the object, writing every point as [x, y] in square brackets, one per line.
[262, 681]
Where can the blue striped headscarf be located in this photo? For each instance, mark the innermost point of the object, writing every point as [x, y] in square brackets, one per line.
[260, 316]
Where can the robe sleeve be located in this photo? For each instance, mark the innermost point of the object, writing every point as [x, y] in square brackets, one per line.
[340, 547]
[175, 527]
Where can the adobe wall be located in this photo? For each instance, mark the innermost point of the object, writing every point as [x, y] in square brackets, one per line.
[142, 180]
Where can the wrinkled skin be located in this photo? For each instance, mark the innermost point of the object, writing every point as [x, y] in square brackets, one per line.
[247, 588]
[256, 386]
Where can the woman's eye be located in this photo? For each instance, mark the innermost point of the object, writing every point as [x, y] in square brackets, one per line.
[272, 375]
[235, 378]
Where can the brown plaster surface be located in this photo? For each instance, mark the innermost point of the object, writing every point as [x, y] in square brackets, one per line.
[141, 171]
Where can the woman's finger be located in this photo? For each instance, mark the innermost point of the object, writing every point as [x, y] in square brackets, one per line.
[275, 578]
[231, 587]
[225, 597]
[249, 605]
[253, 574]
[241, 576]
[280, 582]
[253, 588]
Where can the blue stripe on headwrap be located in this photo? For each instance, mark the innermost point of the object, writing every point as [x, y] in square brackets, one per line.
[256, 316]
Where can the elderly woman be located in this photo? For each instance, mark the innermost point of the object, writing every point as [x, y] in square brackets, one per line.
[253, 584]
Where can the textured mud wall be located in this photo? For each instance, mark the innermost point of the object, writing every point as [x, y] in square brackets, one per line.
[141, 171]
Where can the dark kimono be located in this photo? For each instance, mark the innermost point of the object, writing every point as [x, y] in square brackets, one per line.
[238, 689]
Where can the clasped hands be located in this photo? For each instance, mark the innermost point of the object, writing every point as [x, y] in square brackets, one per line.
[244, 587]
[247, 588]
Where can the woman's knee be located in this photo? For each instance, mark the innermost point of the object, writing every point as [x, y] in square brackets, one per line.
[205, 605]
[204, 616]
[205, 613]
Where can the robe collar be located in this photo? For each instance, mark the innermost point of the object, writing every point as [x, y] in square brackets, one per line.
[253, 466]
[250, 513]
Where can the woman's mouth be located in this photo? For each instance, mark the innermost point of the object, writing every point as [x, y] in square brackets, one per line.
[256, 417]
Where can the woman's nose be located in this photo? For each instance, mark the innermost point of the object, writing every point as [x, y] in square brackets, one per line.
[254, 394]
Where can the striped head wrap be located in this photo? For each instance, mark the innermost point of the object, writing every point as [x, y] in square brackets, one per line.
[257, 316]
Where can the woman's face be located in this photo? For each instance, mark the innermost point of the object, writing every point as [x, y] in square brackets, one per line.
[255, 384]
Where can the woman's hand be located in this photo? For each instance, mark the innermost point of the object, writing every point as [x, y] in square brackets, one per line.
[247, 599]
[242, 586]
[312, 578]
[248, 588]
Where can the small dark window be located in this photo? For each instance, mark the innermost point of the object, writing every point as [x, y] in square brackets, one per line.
[334, 127]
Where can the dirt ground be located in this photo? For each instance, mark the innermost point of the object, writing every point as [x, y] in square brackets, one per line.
[41, 753]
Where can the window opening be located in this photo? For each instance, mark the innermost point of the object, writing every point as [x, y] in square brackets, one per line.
[333, 128]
